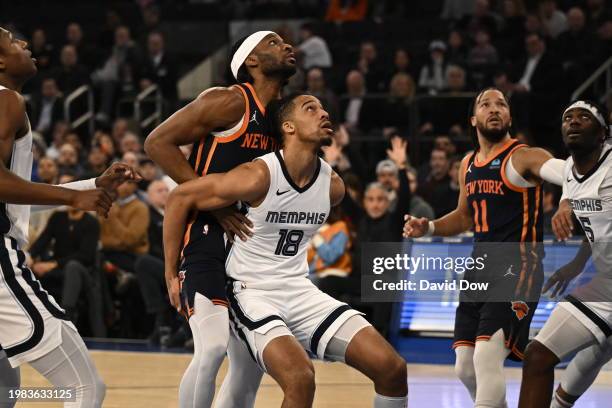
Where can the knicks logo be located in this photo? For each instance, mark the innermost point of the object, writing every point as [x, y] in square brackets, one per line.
[520, 308]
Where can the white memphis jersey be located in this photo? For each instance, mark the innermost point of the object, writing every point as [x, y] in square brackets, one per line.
[590, 196]
[15, 218]
[283, 225]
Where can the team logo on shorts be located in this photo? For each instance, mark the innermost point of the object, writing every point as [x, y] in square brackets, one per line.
[205, 229]
[520, 308]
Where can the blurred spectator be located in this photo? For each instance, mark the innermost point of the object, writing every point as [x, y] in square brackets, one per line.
[119, 129]
[149, 267]
[329, 256]
[334, 154]
[457, 9]
[598, 12]
[387, 174]
[457, 51]
[48, 171]
[605, 36]
[535, 72]
[552, 18]
[577, 48]
[84, 49]
[131, 159]
[436, 189]
[42, 51]
[97, 162]
[397, 106]
[124, 233]
[73, 139]
[65, 252]
[432, 78]
[453, 173]
[106, 143]
[68, 161]
[149, 172]
[316, 86]
[118, 72]
[159, 67]
[106, 38]
[483, 52]
[351, 107]
[346, 10]
[482, 19]
[510, 44]
[454, 105]
[402, 62]
[418, 207]
[130, 143]
[60, 129]
[151, 17]
[371, 67]
[47, 107]
[533, 25]
[70, 74]
[313, 49]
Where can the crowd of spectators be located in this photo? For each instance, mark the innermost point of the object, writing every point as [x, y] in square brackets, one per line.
[536, 53]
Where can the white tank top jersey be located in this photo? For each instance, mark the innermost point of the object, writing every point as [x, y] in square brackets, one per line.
[590, 196]
[14, 218]
[283, 225]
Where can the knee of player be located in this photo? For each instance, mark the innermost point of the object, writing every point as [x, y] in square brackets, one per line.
[302, 378]
[393, 372]
[464, 369]
[538, 358]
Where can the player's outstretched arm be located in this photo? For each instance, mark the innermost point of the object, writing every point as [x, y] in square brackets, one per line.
[248, 182]
[14, 189]
[216, 108]
[536, 164]
[457, 221]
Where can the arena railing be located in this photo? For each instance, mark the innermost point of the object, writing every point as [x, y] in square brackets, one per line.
[88, 116]
[151, 95]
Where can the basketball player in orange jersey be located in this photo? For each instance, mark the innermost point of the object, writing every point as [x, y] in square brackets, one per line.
[500, 198]
[226, 127]
[33, 328]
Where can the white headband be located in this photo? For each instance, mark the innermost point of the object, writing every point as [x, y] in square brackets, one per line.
[593, 109]
[245, 49]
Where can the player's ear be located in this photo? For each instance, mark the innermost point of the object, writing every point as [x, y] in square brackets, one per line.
[473, 120]
[251, 61]
[288, 127]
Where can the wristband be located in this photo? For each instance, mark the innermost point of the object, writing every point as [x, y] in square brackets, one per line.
[430, 230]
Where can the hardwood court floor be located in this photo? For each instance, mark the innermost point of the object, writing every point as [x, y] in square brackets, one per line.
[150, 380]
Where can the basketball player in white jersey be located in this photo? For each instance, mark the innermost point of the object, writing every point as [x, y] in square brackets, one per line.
[275, 308]
[33, 328]
[584, 319]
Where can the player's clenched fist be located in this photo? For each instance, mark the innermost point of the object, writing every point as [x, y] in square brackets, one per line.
[415, 227]
[98, 200]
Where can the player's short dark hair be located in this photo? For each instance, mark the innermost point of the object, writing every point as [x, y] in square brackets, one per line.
[243, 72]
[277, 112]
[472, 129]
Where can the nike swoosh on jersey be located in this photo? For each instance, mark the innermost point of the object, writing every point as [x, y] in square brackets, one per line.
[278, 192]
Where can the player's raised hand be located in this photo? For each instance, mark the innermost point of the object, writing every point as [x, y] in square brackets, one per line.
[233, 223]
[98, 200]
[562, 223]
[415, 227]
[562, 278]
[115, 175]
[397, 152]
[332, 152]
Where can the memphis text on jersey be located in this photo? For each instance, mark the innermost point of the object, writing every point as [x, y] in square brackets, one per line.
[295, 217]
[589, 204]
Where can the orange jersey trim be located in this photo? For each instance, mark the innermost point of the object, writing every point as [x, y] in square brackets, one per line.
[261, 107]
[493, 155]
[245, 122]
[463, 343]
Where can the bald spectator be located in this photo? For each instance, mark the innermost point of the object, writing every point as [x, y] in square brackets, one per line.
[577, 48]
[396, 112]
[553, 19]
[352, 105]
[316, 86]
[313, 49]
[160, 67]
[150, 266]
[85, 50]
[371, 68]
[70, 74]
[130, 143]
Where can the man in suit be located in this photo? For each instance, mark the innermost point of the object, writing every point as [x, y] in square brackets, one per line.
[159, 67]
[46, 107]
